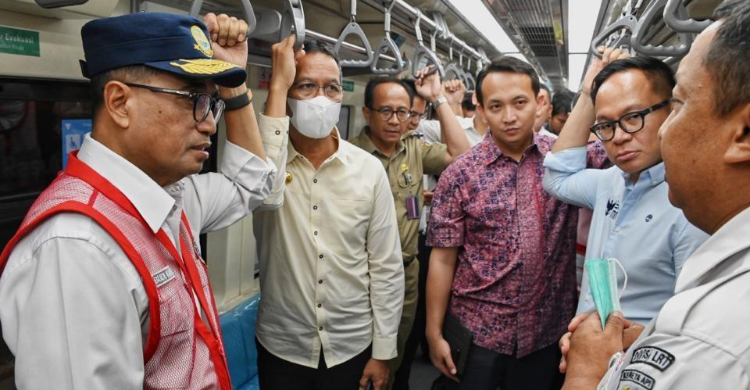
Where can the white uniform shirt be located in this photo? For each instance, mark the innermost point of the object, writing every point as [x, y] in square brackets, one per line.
[331, 271]
[74, 311]
[700, 338]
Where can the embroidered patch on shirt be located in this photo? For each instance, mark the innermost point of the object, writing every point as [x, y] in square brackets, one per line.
[638, 378]
[163, 276]
[654, 357]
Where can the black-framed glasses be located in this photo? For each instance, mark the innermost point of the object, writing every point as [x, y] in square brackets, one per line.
[203, 103]
[307, 90]
[417, 117]
[630, 123]
[386, 113]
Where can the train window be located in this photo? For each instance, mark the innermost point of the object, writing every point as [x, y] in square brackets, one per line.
[31, 118]
[343, 124]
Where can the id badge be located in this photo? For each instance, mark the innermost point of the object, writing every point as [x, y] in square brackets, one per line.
[412, 207]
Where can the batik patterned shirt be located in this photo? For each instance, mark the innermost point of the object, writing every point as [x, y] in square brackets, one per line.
[515, 286]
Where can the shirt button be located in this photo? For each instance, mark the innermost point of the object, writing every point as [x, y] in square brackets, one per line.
[321, 328]
[315, 232]
[320, 305]
[320, 281]
[321, 256]
[617, 229]
[278, 132]
[315, 207]
[315, 181]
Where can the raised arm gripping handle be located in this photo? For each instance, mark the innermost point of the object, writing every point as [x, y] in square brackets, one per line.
[647, 19]
[424, 52]
[354, 29]
[387, 45]
[247, 10]
[293, 21]
[628, 22]
[673, 20]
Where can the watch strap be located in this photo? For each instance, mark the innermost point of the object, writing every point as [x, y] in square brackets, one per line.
[239, 101]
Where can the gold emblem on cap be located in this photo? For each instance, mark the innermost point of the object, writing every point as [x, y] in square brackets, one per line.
[203, 66]
[288, 178]
[201, 42]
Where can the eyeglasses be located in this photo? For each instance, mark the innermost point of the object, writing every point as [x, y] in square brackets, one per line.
[332, 91]
[416, 117]
[386, 113]
[203, 103]
[630, 123]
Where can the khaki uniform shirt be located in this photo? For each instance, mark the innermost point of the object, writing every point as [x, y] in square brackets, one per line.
[411, 159]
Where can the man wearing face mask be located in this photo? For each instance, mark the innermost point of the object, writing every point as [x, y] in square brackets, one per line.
[331, 272]
[406, 157]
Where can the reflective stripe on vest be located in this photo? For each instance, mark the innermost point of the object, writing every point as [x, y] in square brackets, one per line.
[182, 351]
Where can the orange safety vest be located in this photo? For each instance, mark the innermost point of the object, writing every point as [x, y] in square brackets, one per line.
[181, 351]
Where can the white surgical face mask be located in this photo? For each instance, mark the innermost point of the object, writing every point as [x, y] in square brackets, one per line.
[314, 118]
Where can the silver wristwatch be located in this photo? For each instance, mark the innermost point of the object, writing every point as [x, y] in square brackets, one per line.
[440, 100]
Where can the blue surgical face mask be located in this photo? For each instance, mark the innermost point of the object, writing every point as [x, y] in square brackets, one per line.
[603, 285]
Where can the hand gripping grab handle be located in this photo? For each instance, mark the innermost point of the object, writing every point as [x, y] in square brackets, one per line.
[293, 21]
[247, 9]
[679, 25]
[424, 51]
[654, 11]
[387, 45]
[628, 22]
[354, 29]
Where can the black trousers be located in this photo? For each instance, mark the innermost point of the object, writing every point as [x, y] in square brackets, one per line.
[488, 370]
[417, 336]
[275, 373]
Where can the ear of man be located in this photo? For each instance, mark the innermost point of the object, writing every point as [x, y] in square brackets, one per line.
[738, 151]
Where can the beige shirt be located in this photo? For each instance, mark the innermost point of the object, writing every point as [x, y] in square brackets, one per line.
[415, 157]
[331, 272]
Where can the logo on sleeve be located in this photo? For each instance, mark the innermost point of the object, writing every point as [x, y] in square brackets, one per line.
[613, 208]
[654, 357]
[163, 276]
[638, 378]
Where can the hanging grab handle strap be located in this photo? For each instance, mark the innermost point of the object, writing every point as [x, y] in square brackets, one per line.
[354, 29]
[293, 22]
[673, 21]
[653, 12]
[628, 22]
[387, 45]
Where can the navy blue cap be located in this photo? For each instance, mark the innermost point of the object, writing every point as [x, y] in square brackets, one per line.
[173, 43]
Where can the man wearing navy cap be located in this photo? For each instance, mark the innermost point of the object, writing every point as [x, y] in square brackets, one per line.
[103, 286]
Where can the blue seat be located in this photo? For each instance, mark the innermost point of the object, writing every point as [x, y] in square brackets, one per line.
[238, 328]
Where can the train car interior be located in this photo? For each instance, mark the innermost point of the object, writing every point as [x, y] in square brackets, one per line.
[45, 106]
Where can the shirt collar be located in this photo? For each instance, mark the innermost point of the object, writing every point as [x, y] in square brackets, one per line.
[342, 152]
[727, 241]
[365, 142]
[653, 175]
[491, 152]
[153, 202]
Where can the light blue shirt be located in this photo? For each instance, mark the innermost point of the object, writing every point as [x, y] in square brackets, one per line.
[632, 222]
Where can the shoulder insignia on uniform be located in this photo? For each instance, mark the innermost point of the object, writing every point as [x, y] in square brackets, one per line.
[642, 380]
[654, 357]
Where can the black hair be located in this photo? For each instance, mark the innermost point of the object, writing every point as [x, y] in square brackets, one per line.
[507, 64]
[562, 102]
[375, 81]
[660, 74]
[132, 73]
[467, 104]
[411, 87]
[728, 59]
